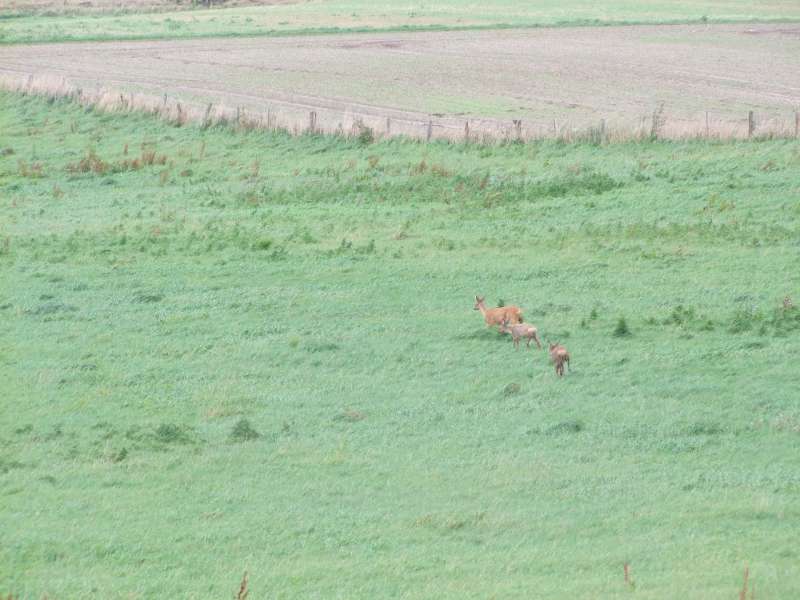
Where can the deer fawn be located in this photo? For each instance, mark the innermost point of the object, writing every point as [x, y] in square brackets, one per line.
[496, 316]
[559, 356]
[519, 331]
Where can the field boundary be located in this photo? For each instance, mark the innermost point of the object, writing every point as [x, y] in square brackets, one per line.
[434, 28]
[298, 118]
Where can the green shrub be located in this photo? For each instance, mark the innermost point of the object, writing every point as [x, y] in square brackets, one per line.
[243, 432]
[622, 329]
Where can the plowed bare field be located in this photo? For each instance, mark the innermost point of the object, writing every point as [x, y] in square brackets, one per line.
[549, 78]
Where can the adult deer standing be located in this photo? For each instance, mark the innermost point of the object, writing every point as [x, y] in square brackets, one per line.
[496, 316]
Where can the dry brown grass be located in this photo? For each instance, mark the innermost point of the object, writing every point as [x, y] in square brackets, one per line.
[243, 591]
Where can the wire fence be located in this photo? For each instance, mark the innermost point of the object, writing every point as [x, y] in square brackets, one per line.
[299, 118]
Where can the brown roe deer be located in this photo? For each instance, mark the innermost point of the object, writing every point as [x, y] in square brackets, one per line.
[496, 316]
[519, 331]
[559, 356]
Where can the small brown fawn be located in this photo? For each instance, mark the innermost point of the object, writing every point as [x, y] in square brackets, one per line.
[519, 331]
[559, 356]
[496, 316]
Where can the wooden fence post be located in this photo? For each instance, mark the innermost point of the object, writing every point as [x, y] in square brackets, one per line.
[207, 116]
[797, 123]
[707, 125]
[466, 130]
[388, 126]
[602, 130]
[518, 127]
[430, 129]
[165, 101]
[751, 124]
[312, 122]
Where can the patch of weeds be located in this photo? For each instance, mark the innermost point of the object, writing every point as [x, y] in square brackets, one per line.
[364, 135]
[243, 432]
[680, 315]
[707, 325]
[621, 329]
[7, 465]
[302, 235]
[278, 253]
[24, 429]
[368, 248]
[92, 163]
[566, 427]
[592, 182]
[744, 319]
[419, 168]
[450, 523]
[704, 428]
[143, 298]
[321, 347]
[263, 244]
[33, 170]
[755, 345]
[169, 433]
[346, 247]
[161, 436]
[55, 433]
[119, 455]
[444, 244]
[512, 389]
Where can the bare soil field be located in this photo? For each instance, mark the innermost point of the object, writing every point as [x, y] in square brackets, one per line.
[705, 77]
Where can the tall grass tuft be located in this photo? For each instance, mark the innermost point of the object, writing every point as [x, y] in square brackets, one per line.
[243, 432]
[621, 329]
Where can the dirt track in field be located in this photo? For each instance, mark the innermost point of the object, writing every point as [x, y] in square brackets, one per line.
[549, 78]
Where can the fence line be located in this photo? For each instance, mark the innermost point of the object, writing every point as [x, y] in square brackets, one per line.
[299, 119]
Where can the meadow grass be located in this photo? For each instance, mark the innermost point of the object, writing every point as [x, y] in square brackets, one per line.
[333, 16]
[226, 351]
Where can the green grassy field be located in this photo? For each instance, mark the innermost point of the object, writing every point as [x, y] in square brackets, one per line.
[366, 15]
[224, 351]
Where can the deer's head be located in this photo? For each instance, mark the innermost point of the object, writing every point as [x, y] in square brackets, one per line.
[478, 302]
